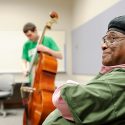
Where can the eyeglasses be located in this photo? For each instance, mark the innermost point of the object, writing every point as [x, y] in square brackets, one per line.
[111, 40]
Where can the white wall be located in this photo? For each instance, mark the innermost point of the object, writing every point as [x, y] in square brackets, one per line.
[15, 13]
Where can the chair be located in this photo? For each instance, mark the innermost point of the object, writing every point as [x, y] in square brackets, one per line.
[6, 90]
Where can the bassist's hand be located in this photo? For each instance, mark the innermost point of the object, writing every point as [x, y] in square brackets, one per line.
[25, 72]
[42, 48]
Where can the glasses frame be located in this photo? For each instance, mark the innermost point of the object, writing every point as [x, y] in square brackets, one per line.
[111, 41]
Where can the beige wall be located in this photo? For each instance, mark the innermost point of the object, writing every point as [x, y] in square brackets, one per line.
[84, 10]
[15, 13]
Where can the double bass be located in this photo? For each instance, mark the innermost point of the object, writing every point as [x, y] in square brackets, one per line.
[39, 102]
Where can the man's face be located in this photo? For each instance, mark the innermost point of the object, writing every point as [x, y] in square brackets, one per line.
[32, 35]
[113, 48]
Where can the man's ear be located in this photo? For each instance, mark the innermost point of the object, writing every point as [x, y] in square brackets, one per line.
[35, 31]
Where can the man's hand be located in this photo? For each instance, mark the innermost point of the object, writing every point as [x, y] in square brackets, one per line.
[56, 54]
[42, 48]
[25, 72]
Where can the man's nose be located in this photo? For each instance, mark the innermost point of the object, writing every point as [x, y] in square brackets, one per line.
[104, 46]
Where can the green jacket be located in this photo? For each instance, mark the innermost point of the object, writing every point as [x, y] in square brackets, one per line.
[100, 102]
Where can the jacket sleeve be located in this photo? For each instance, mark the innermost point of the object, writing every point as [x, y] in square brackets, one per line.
[93, 103]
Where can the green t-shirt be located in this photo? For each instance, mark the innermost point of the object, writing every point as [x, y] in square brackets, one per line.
[29, 47]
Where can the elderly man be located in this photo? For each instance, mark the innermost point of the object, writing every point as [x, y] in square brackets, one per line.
[102, 100]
